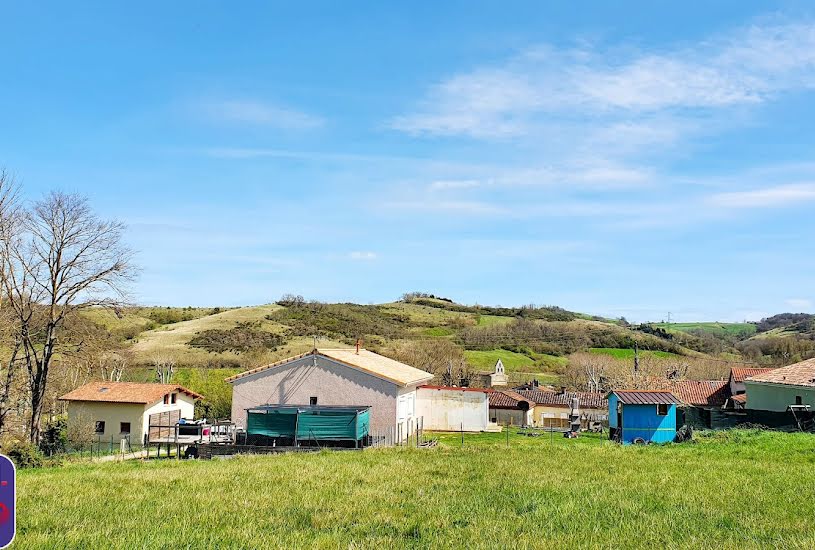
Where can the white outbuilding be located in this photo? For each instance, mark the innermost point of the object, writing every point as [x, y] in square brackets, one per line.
[450, 408]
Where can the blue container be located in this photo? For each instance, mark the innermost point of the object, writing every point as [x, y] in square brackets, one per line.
[642, 416]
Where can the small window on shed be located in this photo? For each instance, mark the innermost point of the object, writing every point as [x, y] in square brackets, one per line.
[799, 400]
[312, 400]
[99, 428]
[172, 398]
[124, 428]
[662, 409]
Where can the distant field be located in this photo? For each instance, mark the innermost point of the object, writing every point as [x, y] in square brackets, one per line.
[535, 493]
[426, 315]
[513, 362]
[734, 329]
[489, 320]
[627, 353]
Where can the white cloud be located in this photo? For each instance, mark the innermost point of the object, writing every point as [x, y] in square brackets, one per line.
[781, 195]
[747, 66]
[260, 113]
[363, 255]
[799, 303]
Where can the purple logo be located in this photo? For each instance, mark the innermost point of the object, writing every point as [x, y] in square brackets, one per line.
[8, 501]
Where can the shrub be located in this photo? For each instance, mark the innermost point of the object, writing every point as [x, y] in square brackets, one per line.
[24, 454]
[240, 339]
[54, 437]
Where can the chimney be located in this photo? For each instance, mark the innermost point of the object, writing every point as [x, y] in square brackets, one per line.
[359, 343]
[562, 390]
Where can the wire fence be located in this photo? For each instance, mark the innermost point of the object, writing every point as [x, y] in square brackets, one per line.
[99, 447]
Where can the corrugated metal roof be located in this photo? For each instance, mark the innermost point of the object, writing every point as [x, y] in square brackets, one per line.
[799, 374]
[646, 397]
[125, 392]
[364, 360]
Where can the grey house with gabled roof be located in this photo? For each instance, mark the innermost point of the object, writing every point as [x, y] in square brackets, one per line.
[339, 377]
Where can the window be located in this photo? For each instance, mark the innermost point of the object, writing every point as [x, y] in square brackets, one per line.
[100, 427]
[167, 399]
[172, 398]
[312, 400]
[799, 400]
[662, 409]
[124, 428]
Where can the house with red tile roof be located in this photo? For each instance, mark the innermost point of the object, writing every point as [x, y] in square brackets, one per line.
[739, 374]
[111, 411]
[778, 389]
[552, 407]
[510, 407]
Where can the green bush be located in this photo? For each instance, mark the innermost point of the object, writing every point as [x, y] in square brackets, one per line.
[24, 454]
[242, 338]
[54, 438]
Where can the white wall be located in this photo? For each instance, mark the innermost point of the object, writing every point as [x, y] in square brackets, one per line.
[83, 415]
[450, 409]
[183, 402]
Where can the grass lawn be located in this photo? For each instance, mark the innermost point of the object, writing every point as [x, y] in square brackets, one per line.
[733, 490]
[626, 353]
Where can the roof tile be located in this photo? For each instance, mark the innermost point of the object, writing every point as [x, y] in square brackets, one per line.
[125, 392]
[364, 360]
[799, 374]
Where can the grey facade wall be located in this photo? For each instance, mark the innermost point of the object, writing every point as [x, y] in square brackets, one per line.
[315, 376]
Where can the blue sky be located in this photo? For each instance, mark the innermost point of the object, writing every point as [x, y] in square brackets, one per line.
[617, 158]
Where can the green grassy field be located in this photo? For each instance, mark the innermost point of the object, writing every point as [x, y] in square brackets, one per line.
[727, 491]
[733, 329]
[625, 353]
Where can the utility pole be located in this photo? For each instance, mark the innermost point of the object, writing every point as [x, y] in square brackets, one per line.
[636, 359]
[669, 317]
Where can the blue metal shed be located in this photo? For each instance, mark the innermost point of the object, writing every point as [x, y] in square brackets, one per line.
[642, 416]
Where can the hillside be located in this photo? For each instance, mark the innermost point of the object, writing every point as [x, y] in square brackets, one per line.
[529, 340]
[551, 344]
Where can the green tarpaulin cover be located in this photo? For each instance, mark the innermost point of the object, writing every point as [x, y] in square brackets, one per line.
[314, 424]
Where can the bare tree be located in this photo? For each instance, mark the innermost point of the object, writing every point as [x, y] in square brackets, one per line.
[65, 259]
[10, 335]
[165, 368]
[439, 356]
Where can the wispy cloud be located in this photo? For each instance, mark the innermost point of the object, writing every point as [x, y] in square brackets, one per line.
[445, 185]
[363, 255]
[747, 66]
[799, 303]
[260, 113]
[464, 207]
[781, 195]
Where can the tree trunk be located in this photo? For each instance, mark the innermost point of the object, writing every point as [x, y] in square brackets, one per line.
[38, 384]
[10, 367]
